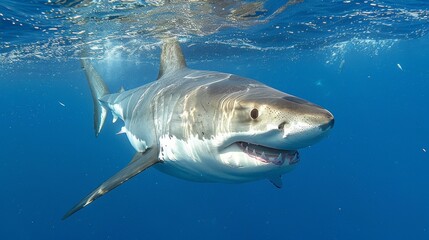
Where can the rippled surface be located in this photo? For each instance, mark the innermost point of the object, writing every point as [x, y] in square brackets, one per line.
[60, 29]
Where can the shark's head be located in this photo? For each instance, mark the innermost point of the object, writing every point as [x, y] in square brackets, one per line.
[237, 129]
[266, 116]
[263, 125]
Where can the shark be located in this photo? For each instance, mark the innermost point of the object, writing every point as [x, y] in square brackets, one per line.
[205, 126]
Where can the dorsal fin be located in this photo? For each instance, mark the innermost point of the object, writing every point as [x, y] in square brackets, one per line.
[171, 57]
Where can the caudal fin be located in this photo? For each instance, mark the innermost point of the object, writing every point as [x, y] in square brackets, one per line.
[98, 90]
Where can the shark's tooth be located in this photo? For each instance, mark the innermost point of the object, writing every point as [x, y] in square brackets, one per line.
[254, 152]
[263, 155]
[279, 158]
[247, 148]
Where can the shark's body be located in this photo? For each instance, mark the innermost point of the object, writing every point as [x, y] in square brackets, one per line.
[206, 126]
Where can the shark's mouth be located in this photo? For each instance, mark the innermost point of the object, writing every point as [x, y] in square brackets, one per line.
[269, 155]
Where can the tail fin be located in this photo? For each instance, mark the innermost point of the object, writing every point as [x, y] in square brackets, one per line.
[98, 90]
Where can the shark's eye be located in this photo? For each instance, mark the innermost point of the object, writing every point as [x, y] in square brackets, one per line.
[254, 113]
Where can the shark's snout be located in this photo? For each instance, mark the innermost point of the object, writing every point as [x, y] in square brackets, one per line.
[307, 128]
[323, 119]
[329, 123]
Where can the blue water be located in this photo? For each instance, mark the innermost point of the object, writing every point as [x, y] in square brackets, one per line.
[367, 180]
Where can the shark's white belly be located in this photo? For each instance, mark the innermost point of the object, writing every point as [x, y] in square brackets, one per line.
[199, 160]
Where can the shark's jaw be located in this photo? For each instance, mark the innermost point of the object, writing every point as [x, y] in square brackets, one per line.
[256, 153]
[268, 155]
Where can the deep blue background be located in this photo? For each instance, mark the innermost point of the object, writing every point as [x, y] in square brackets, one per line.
[367, 180]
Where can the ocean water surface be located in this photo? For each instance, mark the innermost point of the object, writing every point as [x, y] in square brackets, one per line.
[364, 60]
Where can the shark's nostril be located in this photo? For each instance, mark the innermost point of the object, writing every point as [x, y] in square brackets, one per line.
[327, 125]
[281, 125]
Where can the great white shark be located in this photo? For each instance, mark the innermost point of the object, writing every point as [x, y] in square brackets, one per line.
[206, 126]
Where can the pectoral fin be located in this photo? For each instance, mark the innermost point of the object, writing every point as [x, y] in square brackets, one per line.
[276, 181]
[140, 162]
